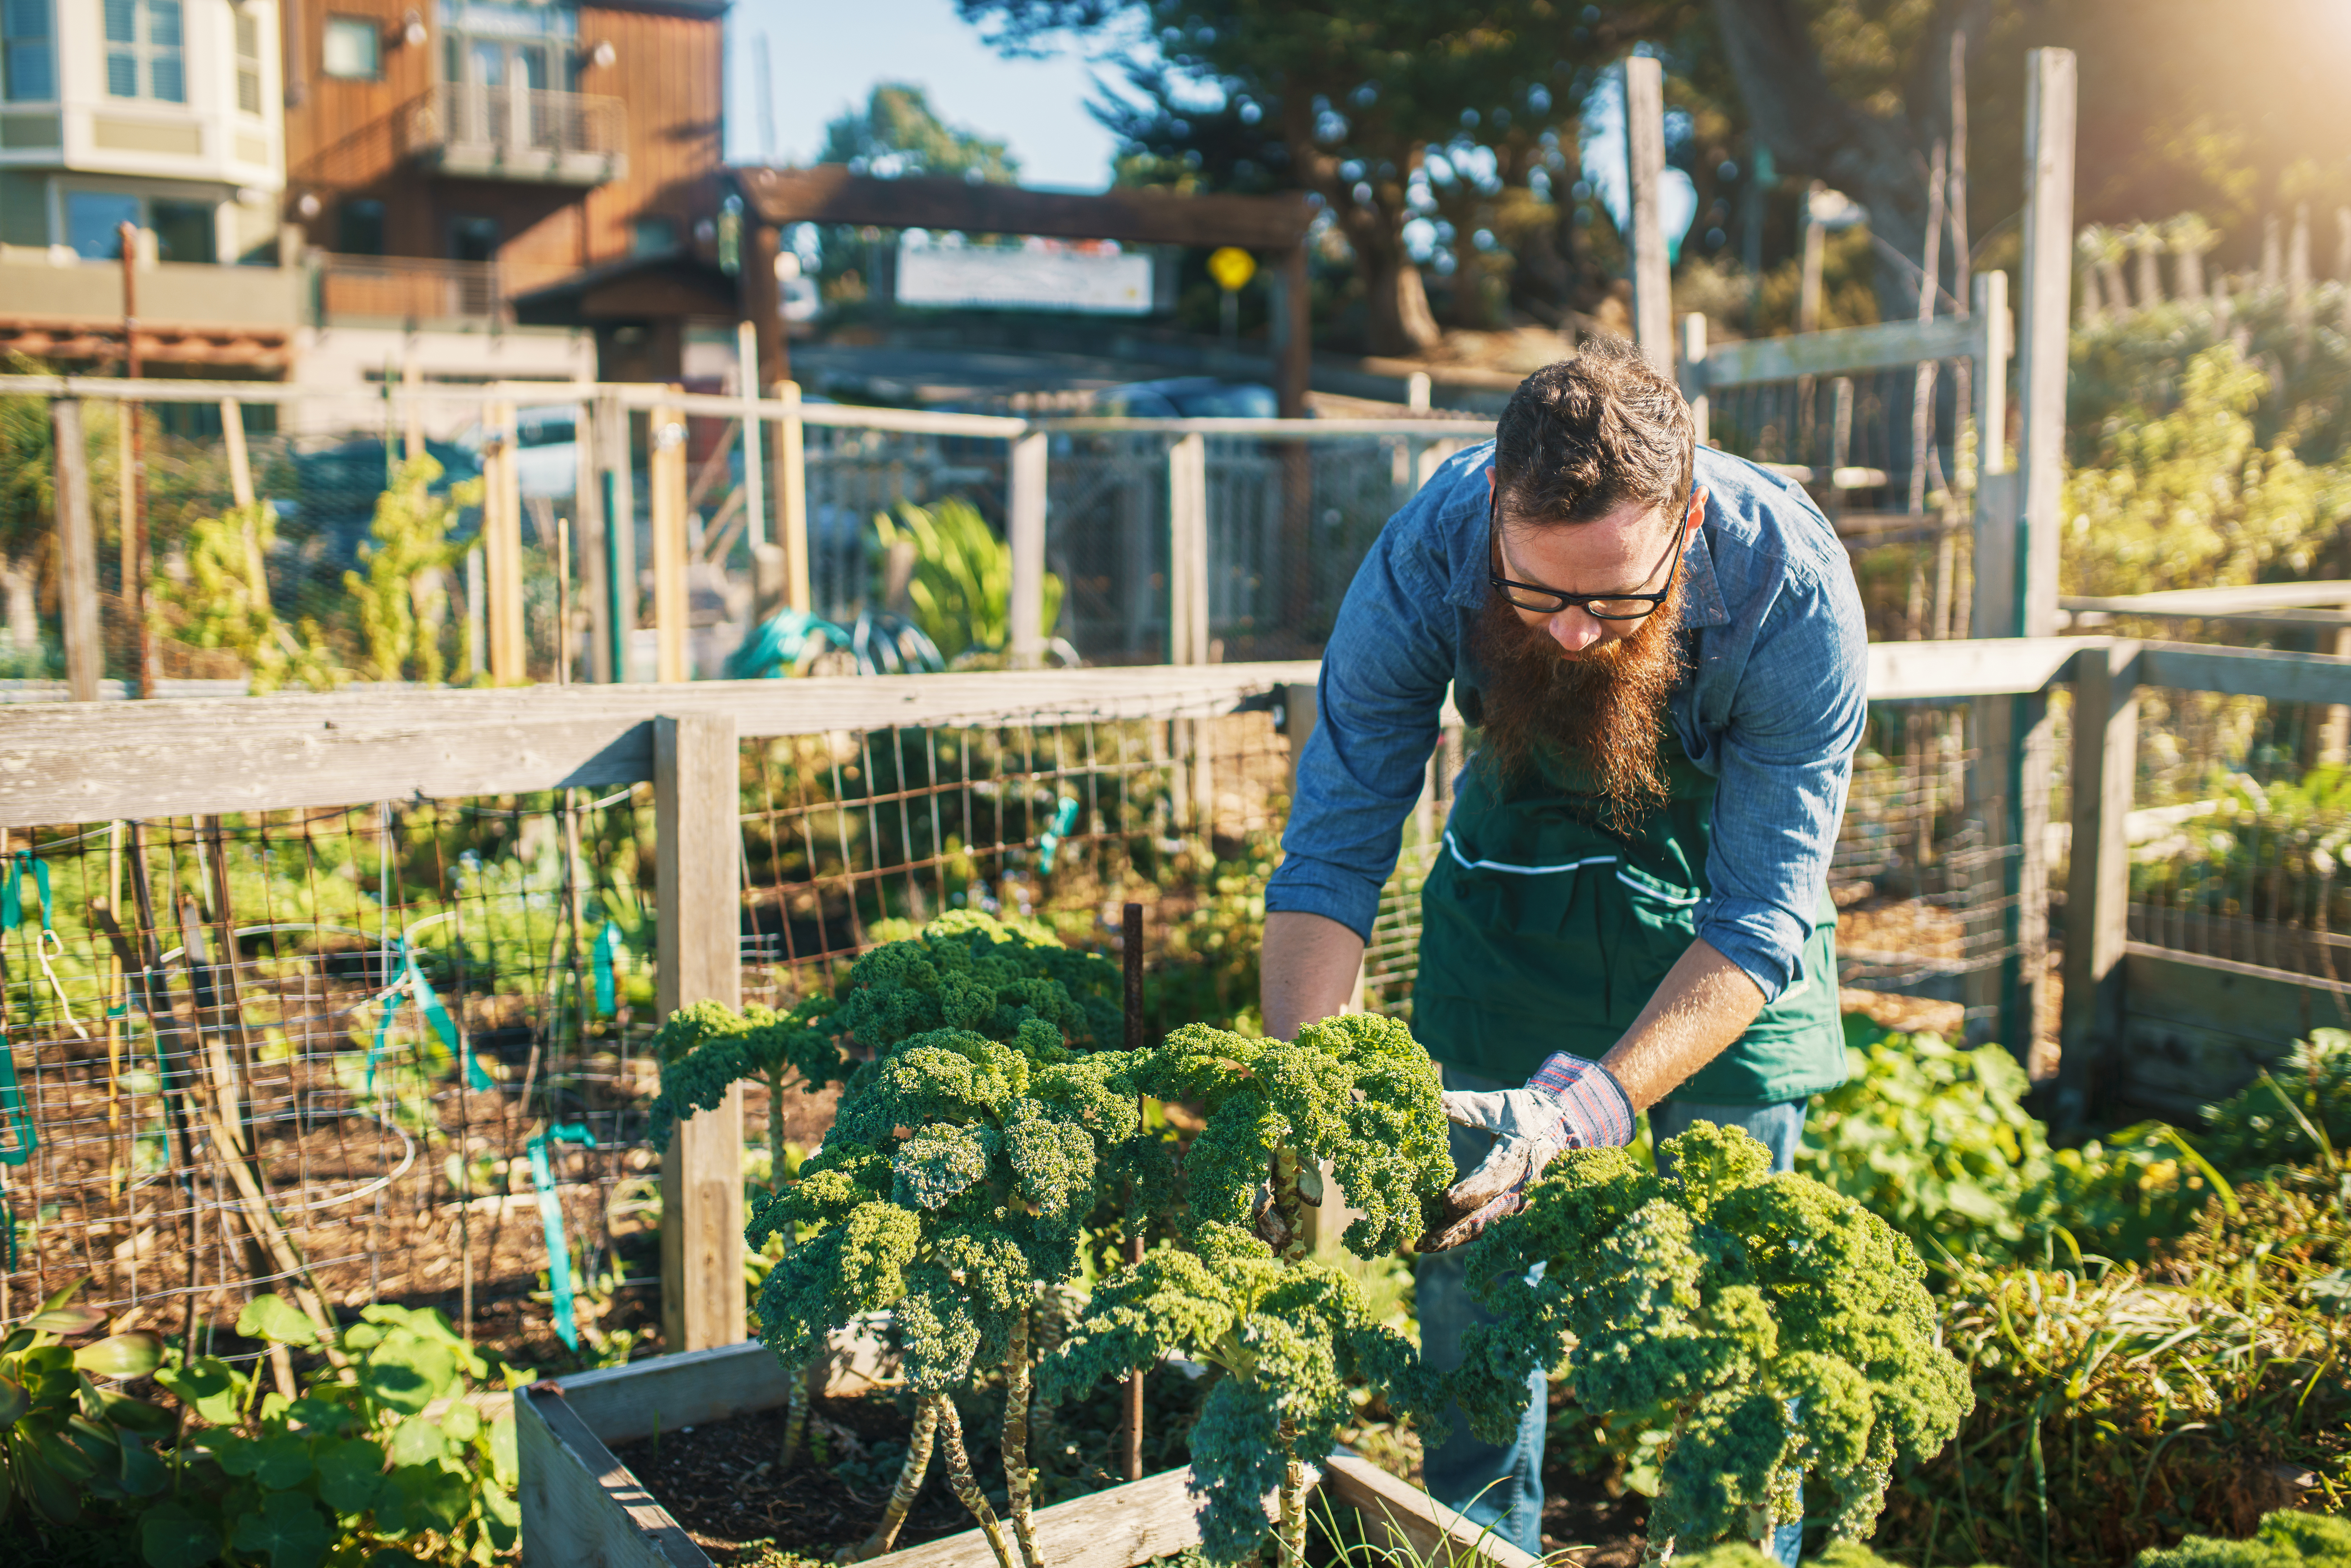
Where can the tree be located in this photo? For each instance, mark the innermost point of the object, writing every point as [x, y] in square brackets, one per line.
[898, 133]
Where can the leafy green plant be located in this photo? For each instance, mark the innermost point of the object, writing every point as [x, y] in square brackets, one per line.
[961, 591]
[1777, 1330]
[403, 598]
[955, 1183]
[1237, 1289]
[382, 1452]
[2117, 1408]
[705, 1049]
[63, 1438]
[225, 603]
[2299, 1114]
[1936, 1140]
[2286, 1538]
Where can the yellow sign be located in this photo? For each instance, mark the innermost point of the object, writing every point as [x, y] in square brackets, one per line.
[1232, 268]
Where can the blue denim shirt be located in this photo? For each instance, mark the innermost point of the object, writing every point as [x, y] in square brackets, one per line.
[1772, 706]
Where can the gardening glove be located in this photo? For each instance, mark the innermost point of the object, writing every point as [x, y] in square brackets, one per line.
[1569, 1103]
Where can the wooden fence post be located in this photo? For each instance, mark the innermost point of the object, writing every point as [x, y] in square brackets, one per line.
[1644, 148]
[240, 465]
[666, 464]
[1694, 370]
[697, 849]
[2097, 888]
[1187, 550]
[1025, 638]
[620, 533]
[76, 553]
[791, 499]
[755, 481]
[2032, 611]
[501, 546]
[594, 558]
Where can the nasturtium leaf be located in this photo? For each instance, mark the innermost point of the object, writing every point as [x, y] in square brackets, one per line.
[133, 1354]
[273, 1317]
[288, 1528]
[461, 1423]
[417, 1442]
[142, 1473]
[351, 1474]
[211, 1389]
[172, 1537]
[283, 1461]
[407, 1372]
[431, 1498]
[505, 1464]
[311, 1414]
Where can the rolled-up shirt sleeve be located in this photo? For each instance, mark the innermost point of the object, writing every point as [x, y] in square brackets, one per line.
[1786, 765]
[1381, 693]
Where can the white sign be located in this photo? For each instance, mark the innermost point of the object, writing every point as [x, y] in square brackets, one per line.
[1100, 285]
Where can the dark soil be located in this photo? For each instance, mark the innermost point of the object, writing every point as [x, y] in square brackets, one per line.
[721, 1483]
[1578, 1512]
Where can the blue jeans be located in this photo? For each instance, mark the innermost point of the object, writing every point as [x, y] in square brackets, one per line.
[1500, 1485]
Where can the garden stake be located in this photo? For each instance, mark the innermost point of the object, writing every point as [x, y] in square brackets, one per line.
[551, 1215]
[1131, 942]
[155, 990]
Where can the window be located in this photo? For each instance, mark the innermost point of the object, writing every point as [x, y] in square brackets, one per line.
[94, 221]
[143, 51]
[473, 239]
[360, 230]
[28, 58]
[248, 62]
[185, 231]
[652, 237]
[353, 48]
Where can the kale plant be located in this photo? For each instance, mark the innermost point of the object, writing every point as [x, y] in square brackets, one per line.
[1237, 1289]
[1779, 1331]
[954, 1185]
[705, 1049]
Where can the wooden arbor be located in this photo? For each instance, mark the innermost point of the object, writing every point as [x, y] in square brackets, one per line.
[830, 193]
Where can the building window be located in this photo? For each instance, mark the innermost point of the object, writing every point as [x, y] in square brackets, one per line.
[185, 231]
[353, 48]
[360, 230]
[28, 51]
[144, 57]
[473, 239]
[94, 221]
[653, 237]
[248, 62]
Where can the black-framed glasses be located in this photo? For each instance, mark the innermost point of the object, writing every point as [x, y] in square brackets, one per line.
[1599, 606]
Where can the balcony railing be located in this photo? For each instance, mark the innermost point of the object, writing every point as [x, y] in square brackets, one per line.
[410, 288]
[517, 133]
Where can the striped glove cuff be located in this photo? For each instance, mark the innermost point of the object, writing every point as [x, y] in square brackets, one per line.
[1594, 1111]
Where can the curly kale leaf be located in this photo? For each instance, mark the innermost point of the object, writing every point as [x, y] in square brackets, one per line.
[706, 1048]
[1782, 1329]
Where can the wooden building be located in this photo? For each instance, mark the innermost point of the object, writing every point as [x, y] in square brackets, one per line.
[454, 159]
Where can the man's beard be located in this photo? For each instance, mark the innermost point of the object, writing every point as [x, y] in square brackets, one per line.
[1604, 708]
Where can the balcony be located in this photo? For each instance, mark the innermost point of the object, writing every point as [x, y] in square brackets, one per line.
[398, 289]
[475, 132]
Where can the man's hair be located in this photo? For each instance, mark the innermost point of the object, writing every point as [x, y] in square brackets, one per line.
[1584, 436]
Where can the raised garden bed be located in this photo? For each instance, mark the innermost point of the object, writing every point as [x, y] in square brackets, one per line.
[583, 1507]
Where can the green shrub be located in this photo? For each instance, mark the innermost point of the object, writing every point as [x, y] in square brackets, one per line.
[2282, 1118]
[2285, 1540]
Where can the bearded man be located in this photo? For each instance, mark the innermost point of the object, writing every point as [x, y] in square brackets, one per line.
[1662, 650]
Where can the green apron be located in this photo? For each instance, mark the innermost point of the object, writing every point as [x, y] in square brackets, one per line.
[1542, 930]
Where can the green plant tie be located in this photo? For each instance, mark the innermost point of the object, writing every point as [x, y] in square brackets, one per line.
[550, 1216]
[12, 895]
[603, 957]
[1065, 821]
[428, 1002]
[22, 1140]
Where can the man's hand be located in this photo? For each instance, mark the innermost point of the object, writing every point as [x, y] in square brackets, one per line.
[1570, 1104]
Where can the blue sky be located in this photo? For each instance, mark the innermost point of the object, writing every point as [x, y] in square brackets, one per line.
[827, 55]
